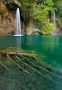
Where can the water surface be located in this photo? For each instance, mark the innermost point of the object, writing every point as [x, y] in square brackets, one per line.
[50, 50]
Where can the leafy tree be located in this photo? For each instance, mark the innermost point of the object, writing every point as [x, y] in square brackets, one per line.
[38, 11]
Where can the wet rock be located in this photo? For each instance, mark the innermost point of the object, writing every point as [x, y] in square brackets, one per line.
[7, 16]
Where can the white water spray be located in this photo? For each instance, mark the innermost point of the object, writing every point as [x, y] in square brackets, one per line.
[18, 31]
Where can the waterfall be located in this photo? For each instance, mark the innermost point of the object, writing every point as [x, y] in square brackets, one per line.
[53, 18]
[18, 23]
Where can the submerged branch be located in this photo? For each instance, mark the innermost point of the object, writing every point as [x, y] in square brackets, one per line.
[18, 65]
[18, 53]
[26, 62]
[3, 65]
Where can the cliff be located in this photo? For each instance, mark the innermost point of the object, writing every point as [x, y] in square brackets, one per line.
[7, 16]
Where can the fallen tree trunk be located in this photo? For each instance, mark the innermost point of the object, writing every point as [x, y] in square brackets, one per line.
[18, 53]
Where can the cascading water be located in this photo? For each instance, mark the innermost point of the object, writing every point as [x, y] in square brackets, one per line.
[53, 17]
[18, 23]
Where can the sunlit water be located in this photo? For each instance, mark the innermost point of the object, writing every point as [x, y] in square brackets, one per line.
[50, 50]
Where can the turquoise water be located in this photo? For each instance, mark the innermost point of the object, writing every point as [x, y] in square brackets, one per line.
[50, 50]
[50, 47]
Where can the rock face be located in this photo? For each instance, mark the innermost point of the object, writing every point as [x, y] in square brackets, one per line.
[7, 16]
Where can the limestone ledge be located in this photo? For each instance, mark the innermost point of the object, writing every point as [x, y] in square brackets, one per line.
[7, 16]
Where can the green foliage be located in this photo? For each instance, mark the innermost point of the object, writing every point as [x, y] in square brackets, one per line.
[40, 16]
[38, 11]
[48, 29]
[58, 5]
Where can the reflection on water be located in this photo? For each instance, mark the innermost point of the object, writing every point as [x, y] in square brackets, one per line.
[18, 42]
[48, 46]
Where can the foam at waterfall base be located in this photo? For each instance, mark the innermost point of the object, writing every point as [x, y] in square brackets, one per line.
[17, 35]
[55, 34]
